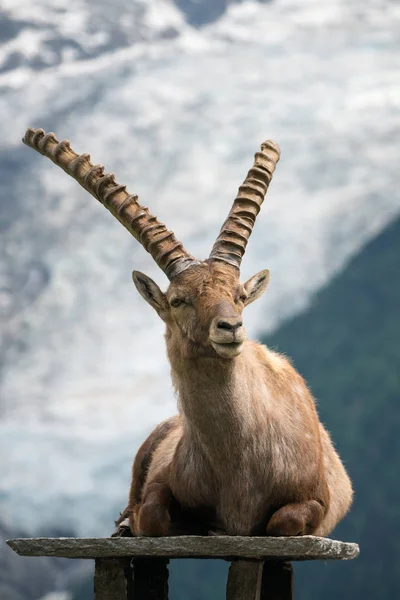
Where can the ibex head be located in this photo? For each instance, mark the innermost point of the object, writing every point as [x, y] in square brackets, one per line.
[203, 305]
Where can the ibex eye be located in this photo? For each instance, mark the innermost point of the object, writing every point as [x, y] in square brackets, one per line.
[242, 298]
[176, 302]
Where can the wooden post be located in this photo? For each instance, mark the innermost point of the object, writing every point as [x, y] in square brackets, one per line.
[112, 579]
[244, 580]
[277, 581]
[150, 578]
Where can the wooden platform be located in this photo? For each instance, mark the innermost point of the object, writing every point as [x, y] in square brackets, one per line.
[136, 568]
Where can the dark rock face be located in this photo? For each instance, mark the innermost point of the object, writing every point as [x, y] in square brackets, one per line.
[10, 28]
[201, 12]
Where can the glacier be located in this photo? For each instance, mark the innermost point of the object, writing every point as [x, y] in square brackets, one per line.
[177, 113]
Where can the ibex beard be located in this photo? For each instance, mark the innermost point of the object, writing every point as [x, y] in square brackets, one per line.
[247, 454]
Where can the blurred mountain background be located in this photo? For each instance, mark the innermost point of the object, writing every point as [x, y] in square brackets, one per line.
[175, 98]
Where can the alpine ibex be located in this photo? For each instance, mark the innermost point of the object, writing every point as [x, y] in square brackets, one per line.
[247, 453]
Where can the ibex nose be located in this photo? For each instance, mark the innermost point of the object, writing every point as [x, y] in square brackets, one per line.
[230, 324]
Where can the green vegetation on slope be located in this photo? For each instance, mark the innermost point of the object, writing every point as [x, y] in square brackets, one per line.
[347, 346]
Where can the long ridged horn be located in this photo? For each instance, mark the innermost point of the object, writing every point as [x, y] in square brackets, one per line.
[162, 244]
[231, 243]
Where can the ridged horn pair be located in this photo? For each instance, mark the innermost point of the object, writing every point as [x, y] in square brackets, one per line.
[166, 250]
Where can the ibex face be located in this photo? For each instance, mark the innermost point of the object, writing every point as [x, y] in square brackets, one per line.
[203, 306]
[204, 302]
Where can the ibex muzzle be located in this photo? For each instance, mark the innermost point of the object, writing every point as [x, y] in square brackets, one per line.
[227, 333]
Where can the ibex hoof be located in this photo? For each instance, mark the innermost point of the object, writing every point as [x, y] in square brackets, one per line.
[123, 529]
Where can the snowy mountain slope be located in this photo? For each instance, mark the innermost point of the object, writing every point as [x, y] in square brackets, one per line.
[178, 120]
[40, 34]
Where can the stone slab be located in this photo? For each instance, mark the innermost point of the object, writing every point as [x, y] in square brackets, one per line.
[306, 547]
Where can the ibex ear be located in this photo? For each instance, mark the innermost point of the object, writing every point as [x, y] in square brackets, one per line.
[150, 291]
[256, 286]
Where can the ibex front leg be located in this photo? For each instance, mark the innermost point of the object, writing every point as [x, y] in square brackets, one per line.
[296, 519]
[153, 518]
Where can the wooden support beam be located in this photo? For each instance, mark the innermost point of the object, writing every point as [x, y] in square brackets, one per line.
[113, 579]
[277, 581]
[244, 580]
[150, 579]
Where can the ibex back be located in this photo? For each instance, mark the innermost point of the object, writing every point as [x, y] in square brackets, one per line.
[247, 453]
